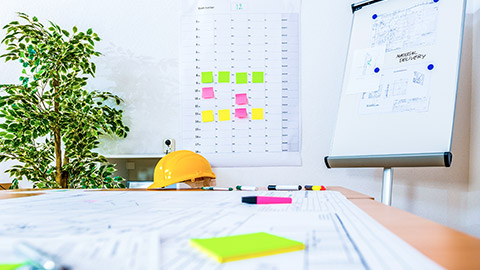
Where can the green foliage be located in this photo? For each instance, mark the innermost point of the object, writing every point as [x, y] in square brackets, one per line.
[51, 102]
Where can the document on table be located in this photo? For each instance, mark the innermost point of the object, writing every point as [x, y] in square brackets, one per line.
[336, 233]
[85, 252]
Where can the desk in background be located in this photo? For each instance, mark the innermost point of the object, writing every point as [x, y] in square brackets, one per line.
[5, 186]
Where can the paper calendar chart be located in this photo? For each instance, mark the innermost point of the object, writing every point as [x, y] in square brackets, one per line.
[239, 65]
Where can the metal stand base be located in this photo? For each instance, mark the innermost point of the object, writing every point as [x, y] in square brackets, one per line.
[387, 186]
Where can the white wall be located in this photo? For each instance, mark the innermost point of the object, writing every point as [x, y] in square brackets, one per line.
[439, 194]
[446, 195]
[473, 6]
[475, 111]
[473, 215]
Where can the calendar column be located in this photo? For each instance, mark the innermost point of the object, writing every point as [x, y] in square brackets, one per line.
[239, 60]
[189, 70]
[290, 83]
[273, 82]
[256, 94]
[205, 79]
[223, 86]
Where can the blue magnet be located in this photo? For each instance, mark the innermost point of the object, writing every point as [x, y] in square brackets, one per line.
[375, 15]
[436, 1]
[376, 70]
[430, 67]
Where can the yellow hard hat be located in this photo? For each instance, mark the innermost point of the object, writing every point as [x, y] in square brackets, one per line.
[180, 166]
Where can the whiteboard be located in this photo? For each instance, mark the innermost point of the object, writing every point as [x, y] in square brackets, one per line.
[400, 81]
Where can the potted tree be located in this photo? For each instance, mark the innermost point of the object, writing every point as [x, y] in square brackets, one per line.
[51, 123]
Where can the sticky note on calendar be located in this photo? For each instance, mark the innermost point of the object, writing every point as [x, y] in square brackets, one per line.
[245, 246]
[257, 114]
[242, 78]
[207, 92]
[241, 99]
[224, 115]
[223, 76]
[207, 77]
[241, 113]
[257, 77]
[207, 116]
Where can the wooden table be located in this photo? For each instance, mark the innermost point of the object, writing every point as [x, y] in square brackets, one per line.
[350, 194]
[448, 247]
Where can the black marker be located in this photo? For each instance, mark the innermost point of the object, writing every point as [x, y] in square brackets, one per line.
[278, 187]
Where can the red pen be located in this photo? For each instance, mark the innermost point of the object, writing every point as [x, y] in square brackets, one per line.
[266, 200]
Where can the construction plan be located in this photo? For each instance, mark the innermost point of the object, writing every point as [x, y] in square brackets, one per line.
[151, 230]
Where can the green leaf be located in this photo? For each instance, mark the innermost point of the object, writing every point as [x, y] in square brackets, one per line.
[35, 19]
[66, 33]
[26, 110]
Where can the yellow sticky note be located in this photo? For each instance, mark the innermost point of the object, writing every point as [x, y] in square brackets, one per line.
[13, 266]
[245, 246]
[224, 115]
[207, 116]
[257, 113]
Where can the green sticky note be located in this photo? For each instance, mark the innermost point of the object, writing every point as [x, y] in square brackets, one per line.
[11, 266]
[224, 76]
[207, 77]
[257, 77]
[239, 247]
[242, 78]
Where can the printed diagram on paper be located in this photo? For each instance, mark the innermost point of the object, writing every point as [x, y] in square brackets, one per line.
[151, 230]
[239, 63]
[397, 80]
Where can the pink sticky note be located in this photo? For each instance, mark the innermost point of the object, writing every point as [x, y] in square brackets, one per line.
[207, 92]
[241, 99]
[241, 113]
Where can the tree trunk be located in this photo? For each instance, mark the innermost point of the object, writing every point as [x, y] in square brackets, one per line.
[65, 173]
[58, 156]
[60, 177]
